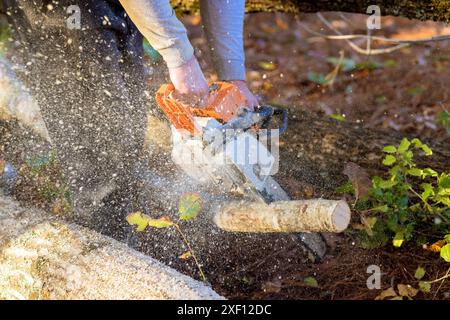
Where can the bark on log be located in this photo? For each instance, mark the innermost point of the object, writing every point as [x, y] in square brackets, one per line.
[437, 10]
[42, 257]
[315, 215]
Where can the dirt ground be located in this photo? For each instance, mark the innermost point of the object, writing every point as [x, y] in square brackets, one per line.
[404, 91]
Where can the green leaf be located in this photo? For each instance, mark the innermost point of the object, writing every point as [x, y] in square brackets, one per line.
[189, 206]
[338, 117]
[420, 273]
[390, 149]
[267, 65]
[345, 188]
[386, 184]
[416, 142]
[404, 145]
[447, 238]
[389, 160]
[427, 191]
[445, 252]
[398, 239]
[311, 282]
[425, 286]
[416, 172]
[138, 219]
[428, 172]
[426, 149]
[163, 222]
[444, 181]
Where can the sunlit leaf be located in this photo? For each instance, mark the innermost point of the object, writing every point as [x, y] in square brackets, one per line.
[398, 239]
[390, 149]
[389, 160]
[267, 65]
[311, 282]
[189, 206]
[426, 149]
[416, 172]
[445, 252]
[404, 145]
[337, 116]
[160, 223]
[427, 190]
[138, 219]
[425, 286]
[420, 273]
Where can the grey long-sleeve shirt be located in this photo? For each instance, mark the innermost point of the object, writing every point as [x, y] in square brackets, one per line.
[223, 21]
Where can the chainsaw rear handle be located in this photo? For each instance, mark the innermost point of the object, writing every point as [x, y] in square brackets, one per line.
[269, 113]
[260, 118]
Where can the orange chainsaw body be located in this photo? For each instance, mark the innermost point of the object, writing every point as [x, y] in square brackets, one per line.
[224, 102]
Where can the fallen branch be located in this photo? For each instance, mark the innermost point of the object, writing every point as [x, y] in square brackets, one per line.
[315, 215]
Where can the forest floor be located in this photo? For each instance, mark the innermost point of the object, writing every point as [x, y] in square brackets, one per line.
[405, 91]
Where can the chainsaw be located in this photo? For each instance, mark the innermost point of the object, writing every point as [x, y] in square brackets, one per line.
[236, 148]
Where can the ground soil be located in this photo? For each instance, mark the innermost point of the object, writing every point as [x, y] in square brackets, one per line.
[405, 95]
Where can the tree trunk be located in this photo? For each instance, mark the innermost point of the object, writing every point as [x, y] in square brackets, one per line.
[437, 10]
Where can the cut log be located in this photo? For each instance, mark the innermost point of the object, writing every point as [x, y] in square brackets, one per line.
[314, 215]
[42, 257]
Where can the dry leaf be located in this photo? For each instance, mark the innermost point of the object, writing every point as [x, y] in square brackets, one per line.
[406, 290]
[186, 255]
[359, 177]
[436, 247]
[390, 292]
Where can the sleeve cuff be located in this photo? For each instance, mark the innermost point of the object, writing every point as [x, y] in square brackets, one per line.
[228, 70]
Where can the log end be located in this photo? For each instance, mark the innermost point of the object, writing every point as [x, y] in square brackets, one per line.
[341, 216]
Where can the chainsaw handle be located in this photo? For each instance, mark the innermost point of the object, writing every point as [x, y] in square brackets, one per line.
[274, 112]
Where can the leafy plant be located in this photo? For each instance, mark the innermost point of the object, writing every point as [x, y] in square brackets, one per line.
[409, 199]
[189, 207]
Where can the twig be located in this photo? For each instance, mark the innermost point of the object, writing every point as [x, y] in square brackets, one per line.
[447, 274]
[400, 43]
[439, 288]
[177, 226]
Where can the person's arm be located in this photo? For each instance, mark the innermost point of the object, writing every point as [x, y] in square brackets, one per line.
[157, 21]
[224, 23]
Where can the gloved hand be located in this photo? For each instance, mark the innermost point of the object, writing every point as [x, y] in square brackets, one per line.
[190, 84]
[252, 101]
